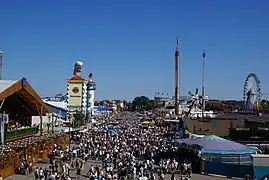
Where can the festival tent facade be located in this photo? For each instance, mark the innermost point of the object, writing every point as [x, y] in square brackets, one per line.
[212, 144]
[20, 101]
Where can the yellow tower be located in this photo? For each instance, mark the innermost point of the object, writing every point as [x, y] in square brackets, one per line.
[77, 90]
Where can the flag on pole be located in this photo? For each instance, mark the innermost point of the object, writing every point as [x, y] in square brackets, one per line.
[177, 41]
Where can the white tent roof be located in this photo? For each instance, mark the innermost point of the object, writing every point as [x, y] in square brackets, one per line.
[4, 84]
[62, 105]
[83, 130]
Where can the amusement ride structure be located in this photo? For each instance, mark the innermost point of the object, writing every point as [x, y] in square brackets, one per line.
[177, 79]
[195, 106]
[195, 101]
[252, 93]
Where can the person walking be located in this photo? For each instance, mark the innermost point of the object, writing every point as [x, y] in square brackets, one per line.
[78, 172]
[36, 173]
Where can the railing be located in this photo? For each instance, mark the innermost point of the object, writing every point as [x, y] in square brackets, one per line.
[225, 169]
[229, 159]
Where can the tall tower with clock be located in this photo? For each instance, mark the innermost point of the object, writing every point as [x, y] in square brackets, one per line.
[77, 91]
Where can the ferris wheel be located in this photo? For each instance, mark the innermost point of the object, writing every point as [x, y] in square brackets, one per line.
[252, 92]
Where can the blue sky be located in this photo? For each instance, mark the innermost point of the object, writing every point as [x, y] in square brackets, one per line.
[129, 45]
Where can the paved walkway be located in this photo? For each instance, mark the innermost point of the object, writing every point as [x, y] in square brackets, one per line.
[167, 177]
[88, 165]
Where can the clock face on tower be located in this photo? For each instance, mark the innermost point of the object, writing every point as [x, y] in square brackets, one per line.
[75, 90]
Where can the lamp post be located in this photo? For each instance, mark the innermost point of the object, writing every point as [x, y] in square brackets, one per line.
[50, 117]
[2, 132]
[3, 123]
[52, 124]
[69, 131]
[1, 61]
[69, 136]
[71, 119]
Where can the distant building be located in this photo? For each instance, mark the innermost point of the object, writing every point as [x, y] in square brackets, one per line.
[58, 108]
[101, 110]
[120, 104]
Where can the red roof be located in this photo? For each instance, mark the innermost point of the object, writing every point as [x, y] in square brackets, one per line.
[77, 78]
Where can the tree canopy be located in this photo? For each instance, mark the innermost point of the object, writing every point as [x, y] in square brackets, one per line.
[220, 106]
[142, 103]
[265, 106]
[79, 119]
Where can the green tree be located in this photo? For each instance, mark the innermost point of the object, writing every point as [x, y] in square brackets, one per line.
[153, 104]
[128, 106]
[208, 106]
[141, 103]
[79, 119]
[264, 106]
[214, 106]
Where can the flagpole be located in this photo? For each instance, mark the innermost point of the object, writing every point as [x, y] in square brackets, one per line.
[203, 84]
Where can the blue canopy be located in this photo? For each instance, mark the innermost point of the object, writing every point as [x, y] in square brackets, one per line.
[110, 131]
[249, 151]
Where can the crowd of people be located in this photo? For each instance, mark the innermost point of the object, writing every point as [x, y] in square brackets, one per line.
[120, 147]
[123, 147]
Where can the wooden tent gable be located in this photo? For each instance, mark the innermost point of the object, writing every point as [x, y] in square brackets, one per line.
[26, 90]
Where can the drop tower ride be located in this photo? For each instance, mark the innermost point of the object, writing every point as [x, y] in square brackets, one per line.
[177, 79]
